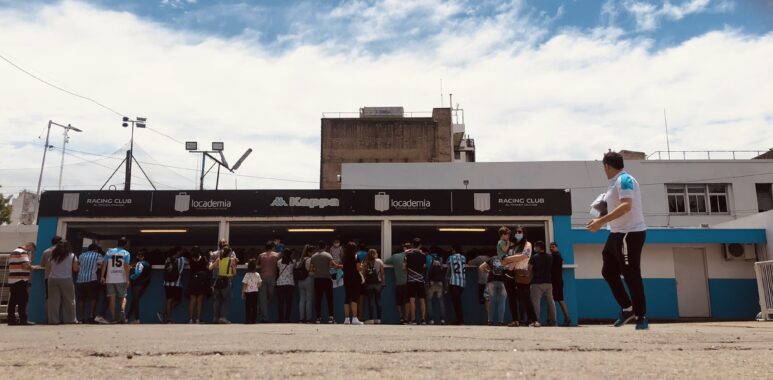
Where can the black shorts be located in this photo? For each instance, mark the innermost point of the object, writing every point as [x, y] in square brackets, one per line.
[416, 290]
[352, 292]
[482, 294]
[88, 291]
[558, 291]
[401, 295]
[199, 284]
[173, 293]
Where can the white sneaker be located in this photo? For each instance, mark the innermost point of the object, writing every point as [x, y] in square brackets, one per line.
[356, 321]
[101, 320]
[347, 321]
[378, 321]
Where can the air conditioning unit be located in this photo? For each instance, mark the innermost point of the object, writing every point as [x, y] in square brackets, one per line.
[737, 251]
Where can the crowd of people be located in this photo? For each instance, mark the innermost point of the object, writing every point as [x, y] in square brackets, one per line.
[94, 287]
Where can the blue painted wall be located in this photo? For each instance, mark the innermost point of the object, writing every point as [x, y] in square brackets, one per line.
[596, 300]
[681, 236]
[46, 230]
[734, 299]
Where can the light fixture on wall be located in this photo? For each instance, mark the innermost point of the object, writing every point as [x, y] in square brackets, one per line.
[164, 231]
[462, 229]
[311, 230]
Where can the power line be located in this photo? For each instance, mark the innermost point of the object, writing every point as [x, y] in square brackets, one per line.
[58, 87]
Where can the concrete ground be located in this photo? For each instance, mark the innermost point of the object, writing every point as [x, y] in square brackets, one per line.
[686, 350]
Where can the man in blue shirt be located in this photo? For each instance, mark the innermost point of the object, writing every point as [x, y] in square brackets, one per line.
[88, 282]
[622, 252]
[456, 281]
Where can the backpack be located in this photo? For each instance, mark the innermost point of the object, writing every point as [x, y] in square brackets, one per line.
[145, 275]
[171, 270]
[300, 272]
[371, 275]
[436, 271]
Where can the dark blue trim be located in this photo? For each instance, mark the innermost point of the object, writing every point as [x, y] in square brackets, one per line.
[681, 236]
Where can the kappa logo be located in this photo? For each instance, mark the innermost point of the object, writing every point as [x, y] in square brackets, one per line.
[279, 202]
[70, 201]
[482, 202]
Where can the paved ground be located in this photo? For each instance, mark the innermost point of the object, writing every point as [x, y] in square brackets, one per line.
[688, 350]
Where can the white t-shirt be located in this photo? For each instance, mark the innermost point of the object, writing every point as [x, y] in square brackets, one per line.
[115, 259]
[253, 281]
[623, 186]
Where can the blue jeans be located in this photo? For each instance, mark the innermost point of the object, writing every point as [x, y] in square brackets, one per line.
[306, 299]
[497, 299]
[221, 299]
[266, 295]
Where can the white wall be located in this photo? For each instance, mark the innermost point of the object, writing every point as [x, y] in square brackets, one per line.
[762, 220]
[14, 235]
[658, 262]
[585, 178]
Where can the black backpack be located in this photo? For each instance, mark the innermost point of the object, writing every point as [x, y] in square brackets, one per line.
[171, 270]
[436, 271]
[371, 275]
[300, 272]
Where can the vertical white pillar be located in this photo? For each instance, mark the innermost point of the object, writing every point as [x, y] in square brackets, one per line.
[386, 239]
[223, 230]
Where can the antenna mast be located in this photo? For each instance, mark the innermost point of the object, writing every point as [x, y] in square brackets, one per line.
[668, 143]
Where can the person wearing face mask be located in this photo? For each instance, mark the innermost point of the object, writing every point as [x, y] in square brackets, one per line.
[521, 250]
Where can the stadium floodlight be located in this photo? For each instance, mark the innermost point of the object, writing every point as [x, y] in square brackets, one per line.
[218, 146]
[191, 145]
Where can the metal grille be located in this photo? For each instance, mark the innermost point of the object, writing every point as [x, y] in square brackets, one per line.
[764, 270]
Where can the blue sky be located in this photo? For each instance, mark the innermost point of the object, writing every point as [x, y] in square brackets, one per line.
[259, 74]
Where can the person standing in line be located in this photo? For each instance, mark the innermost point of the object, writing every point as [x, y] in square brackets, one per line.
[285, 285]
[321, 262]
[483, 297]
[199, 284]
[622, 253]
[415, 264]
[226, 270]
[305, 285]
[436, 285]
[352, 284]
[397, 261]
[373, 269]
[558, 282]
[140, 280]
[173, 286]
[268, 271]
[250, 288]
[61, 289]
[103, 300]
[116, 278]
[519, 260]
[511, 287]
[88, 282]
[541, 266]
[496, 289]
[19, 268]
[362, 254]
[45, 259]
[214, 256]
[456, 281]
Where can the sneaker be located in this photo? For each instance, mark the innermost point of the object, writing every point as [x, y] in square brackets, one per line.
[190, 321]
[319, 320]
[356, 321]
[331, 320]
[378, 321]
[122, 318]
[403, 321]
[100, 319]
[412, 323]
[625, 317]
[225, 321]
[423, 322]
[535, 324]
[135, 322]
[432, 322]
[347, 321]
[161, 317]
[514, 324]
[567, 323]
[443, 322]
[642, 323]
[27, 323]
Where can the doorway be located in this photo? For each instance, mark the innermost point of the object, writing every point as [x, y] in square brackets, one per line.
[692, 290]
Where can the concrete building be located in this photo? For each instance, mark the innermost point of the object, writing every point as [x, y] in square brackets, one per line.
[388, 134]
[706, 226]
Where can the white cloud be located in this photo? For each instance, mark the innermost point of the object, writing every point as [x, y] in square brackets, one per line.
[571, 97]
[648, 16]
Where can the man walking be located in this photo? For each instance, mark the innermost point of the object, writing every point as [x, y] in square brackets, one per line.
[115, 274]
[19, 267]
[622, 252]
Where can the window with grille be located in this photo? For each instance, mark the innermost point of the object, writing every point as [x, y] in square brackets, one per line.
[698, 199]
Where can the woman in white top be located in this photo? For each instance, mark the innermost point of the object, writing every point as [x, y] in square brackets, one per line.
[61, 291]
[285, 284]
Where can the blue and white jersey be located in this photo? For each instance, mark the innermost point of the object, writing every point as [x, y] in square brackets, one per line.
[180, 268]
[116, 260]
[456, 264]
[90, 262]
[624, 186]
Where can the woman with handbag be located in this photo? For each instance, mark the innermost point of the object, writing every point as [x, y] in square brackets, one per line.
[226, 270]
[353, 281]
[521, 249]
